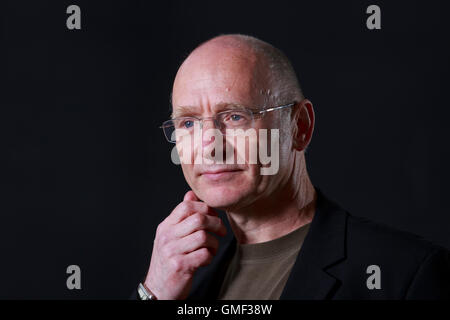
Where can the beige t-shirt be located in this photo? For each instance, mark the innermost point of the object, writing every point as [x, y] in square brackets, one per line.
[260, 271]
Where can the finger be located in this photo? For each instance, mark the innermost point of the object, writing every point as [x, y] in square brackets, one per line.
[198, 258]
[197, 240]
[200, 221]
[187, 208]
[190, 195]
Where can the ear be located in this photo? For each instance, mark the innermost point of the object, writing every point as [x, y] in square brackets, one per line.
[303, 124]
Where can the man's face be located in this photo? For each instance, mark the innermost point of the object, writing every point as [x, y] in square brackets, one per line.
[208, 82]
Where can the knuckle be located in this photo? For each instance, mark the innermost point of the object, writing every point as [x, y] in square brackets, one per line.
[159, 228]
[185, 206]
[201, 236]
[168, 251]
[204, 254]
[203, 207]
[203, 258]
[163, 238]
[199, 219]
[176, 264]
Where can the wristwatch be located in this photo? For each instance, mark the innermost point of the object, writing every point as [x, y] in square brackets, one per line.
[144, 293]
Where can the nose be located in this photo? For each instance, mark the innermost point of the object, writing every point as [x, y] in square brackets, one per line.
[212, 142]
[207, 137]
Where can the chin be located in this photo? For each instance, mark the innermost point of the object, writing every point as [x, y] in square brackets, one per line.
[221, 197]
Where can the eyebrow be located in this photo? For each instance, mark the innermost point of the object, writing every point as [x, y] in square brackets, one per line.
[185, 111]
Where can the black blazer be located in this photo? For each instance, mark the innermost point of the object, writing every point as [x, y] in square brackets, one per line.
[333, 261]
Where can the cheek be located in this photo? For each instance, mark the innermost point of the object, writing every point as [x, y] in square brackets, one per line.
[255, 180]
[188, 172]
[242, 148]
[185, 148]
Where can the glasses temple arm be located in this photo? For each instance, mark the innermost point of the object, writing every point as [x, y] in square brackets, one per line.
[275, 108]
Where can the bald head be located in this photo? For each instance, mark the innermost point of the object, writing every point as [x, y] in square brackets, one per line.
[263, 69]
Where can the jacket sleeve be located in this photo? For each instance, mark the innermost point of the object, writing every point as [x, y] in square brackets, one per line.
[432, 279]
[134, 296]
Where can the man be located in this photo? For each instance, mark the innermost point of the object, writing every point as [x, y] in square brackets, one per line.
[288, 241]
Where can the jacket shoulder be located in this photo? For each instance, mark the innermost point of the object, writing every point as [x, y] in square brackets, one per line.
[363, 233]
[401, 257]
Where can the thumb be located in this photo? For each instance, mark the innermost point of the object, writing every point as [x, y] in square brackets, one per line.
[190, 196]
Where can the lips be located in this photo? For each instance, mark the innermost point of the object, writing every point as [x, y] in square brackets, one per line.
[217, 174]
[217, 171]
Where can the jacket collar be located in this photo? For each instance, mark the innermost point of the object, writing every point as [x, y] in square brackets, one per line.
[323, 247]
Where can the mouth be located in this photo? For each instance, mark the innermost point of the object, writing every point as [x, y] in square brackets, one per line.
[220, 174]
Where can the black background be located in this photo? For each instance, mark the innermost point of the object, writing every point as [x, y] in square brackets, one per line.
[87, 174]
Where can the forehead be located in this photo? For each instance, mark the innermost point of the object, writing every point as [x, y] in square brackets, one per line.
[216, 77]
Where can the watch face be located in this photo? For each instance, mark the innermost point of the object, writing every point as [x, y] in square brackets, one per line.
[141, 293]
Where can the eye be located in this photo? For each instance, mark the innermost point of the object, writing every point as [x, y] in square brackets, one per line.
[236, 117]
[188, 124]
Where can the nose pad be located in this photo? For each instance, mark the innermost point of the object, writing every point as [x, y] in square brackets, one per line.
[213, 122]
[207, 138]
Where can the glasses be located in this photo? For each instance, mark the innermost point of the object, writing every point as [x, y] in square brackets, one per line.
[240, 118]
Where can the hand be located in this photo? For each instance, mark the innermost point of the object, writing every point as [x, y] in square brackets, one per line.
[182, 245]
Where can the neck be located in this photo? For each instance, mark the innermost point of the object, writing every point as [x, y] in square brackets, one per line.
[287, 208]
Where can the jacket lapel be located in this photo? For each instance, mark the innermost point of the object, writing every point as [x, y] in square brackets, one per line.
[324, 246]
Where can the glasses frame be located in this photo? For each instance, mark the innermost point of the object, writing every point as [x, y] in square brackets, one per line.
[214, 118]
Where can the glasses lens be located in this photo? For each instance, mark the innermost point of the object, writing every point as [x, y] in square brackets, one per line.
[185, 123]
[235, 119]
[169, 130]
[178, 128]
